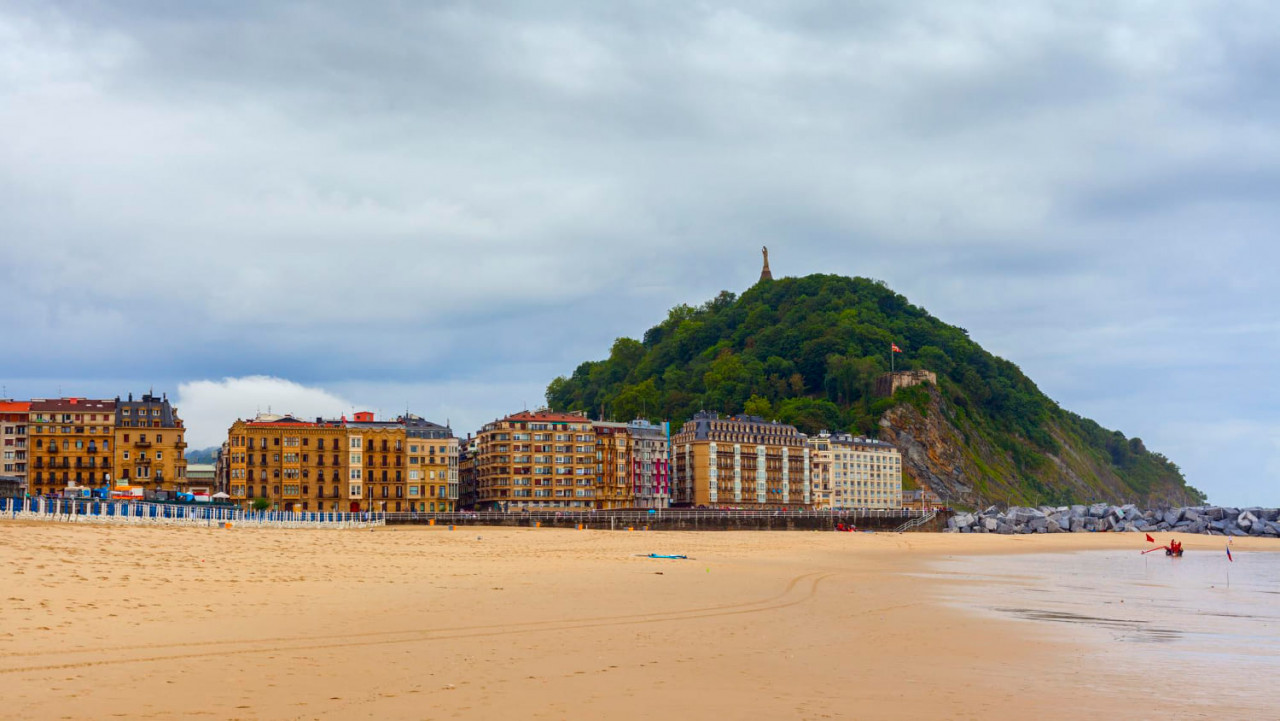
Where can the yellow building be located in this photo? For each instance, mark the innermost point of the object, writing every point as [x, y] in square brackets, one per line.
[536, 461]
[613, 453]
[433, 466]
[70, 442]
[740, 462]
[150, 444]
[342, 465]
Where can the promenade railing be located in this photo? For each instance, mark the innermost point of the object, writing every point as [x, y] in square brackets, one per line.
[66, 510]
[640, 516]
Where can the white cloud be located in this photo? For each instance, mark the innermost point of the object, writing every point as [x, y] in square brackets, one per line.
[208, 408]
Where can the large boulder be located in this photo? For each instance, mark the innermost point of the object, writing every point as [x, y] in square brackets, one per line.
[1236, 532]
[1098, 510]
[989, 524]
[1052, 526]
[963, 520]
[1077, 524]
[1246, 520]
[1216, 514]
[1039, 525]
[1172, 516]
[1004, 528]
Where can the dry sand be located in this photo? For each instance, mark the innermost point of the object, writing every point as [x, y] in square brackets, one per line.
[427, 623]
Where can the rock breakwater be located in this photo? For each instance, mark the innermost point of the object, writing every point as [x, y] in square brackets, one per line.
[1099, 517]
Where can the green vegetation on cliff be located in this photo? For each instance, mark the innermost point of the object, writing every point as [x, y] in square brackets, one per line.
[807, 351]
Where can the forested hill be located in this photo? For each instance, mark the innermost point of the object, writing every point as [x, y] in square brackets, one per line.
[807, 351]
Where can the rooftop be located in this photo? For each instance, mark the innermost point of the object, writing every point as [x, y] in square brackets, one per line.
[71, 405]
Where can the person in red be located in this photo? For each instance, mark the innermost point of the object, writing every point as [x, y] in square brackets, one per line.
[1175, 548]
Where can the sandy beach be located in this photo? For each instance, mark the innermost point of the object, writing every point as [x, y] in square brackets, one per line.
[427, 623]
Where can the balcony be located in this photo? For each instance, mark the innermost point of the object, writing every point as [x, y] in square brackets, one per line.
[53, 447]
[142, 444]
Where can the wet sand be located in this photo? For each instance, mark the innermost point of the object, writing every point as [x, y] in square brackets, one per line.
[425, 623]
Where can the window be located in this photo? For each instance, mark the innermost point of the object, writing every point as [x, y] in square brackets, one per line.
[126, 455]
[355, 474]
[159, 455]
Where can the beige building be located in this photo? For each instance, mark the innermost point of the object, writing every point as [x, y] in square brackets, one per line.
[537, 460]
[865, 473]
[740, 462]
[821, 459]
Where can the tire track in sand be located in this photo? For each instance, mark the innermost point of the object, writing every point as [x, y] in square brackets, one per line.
[772, 603]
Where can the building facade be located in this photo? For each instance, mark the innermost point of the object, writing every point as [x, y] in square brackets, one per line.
[341, 465]
[150, 444]
[71, 443]
[537, 460]
[433, 465]
[468, 488]
[865, 473]
[14, 416]
[613, 467]
[820, 468]
[650, 464]
[740, 462]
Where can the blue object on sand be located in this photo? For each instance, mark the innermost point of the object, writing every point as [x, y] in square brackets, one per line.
[665, 555]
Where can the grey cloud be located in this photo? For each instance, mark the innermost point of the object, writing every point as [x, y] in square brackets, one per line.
[387, 196]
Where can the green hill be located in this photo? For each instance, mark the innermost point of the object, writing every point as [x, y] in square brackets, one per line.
[807, 351]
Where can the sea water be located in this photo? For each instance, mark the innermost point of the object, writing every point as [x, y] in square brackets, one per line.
[1200, 611]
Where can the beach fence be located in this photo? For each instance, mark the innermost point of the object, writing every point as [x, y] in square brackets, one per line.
[67, 510]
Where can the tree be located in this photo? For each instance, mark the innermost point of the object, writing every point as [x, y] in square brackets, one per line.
[261, 504]
[757, 406]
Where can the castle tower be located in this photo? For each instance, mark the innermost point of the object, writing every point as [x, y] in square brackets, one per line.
[765, 273]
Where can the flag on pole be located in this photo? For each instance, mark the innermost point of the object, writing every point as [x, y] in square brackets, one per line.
[1229, 558]
[1150, 539]
[895, 347]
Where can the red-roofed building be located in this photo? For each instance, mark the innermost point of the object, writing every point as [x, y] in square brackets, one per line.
[70, 442]
[13, 440]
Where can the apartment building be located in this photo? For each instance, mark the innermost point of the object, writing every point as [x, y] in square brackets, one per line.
[538, 460]
[821, 458]
[865, 473]
[150, 444]
[349, 465]
[70, 443]
[613, 467]
[740, 462]
[14, 416]
[433, 465]
[649, 461]
[468, 488]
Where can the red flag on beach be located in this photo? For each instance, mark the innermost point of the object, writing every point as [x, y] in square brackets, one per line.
[895, 347]
[1150, 539]
[1229, 558]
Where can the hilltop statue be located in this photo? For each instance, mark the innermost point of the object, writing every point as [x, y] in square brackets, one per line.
[765, 273]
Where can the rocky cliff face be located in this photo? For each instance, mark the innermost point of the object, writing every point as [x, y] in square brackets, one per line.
[946, 452]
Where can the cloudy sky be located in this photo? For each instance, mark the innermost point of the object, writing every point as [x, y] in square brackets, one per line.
[318, 206]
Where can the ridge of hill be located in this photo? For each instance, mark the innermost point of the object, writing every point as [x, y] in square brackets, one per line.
[807, 351]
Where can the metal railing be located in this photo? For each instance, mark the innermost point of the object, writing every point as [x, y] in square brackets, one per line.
[66, 510]
[640, 515]
[917, 522]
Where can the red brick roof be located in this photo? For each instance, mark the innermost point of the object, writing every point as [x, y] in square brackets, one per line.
[14, 406]
[548, 416]
[72, 405]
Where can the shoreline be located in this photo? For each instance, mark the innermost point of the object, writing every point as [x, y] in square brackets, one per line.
[422, 622]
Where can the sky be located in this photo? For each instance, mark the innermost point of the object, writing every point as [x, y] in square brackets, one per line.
[323, 206]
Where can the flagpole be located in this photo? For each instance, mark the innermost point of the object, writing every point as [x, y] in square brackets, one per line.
[890, 358]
